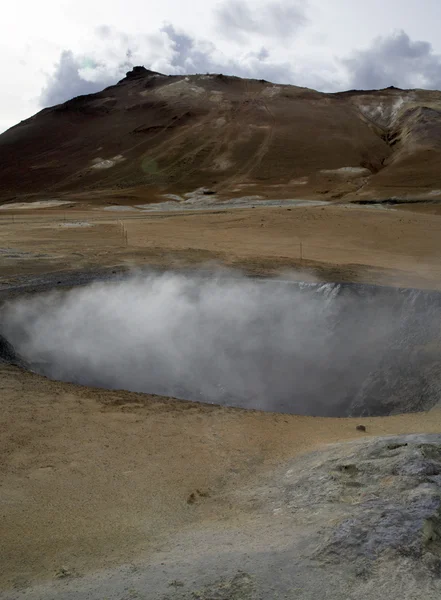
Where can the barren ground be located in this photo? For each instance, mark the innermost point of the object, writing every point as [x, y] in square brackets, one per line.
[94, 478]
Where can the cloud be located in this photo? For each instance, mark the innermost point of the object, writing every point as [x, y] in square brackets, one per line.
[236, 18]
[194, 56]
[189, 54]
[68, 81]
[171, 51]
[112, 54]
[394, 60]
[168, 51]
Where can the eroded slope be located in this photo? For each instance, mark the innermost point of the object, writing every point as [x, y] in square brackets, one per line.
[158, 134]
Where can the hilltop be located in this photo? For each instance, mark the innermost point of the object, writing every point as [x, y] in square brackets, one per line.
[152, 134]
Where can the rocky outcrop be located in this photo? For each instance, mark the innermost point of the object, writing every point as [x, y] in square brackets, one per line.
[8, 354]
[391, 490]
[139, 72]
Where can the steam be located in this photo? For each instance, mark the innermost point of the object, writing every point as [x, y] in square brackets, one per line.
[257, 344]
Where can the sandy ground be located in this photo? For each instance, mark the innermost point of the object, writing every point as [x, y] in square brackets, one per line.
[369, 244]
[95, 478]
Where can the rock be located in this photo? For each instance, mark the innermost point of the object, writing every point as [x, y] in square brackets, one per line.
[138, 72]
[63, 572]
[8, 353]
[394, 506]
[176, 583]
[360, 428]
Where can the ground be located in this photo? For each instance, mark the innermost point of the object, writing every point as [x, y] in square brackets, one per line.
[94, 479]
[337, 242]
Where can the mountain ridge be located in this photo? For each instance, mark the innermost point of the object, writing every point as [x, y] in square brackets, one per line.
[160, 134]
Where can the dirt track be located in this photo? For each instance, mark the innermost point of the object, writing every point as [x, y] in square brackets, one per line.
[93, 478]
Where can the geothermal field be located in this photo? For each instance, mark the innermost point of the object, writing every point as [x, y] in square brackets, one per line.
[220, 344]
[169, 401]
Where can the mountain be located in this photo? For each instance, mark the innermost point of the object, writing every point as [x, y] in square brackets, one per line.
[152, 134]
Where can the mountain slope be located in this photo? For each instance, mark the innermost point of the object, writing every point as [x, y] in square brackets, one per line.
[155, 134]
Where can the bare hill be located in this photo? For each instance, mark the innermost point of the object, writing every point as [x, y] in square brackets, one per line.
[152, 134]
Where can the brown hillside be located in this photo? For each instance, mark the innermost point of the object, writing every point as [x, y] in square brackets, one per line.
[155, 134]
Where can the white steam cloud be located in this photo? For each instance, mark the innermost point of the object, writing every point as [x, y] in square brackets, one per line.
[256, 344]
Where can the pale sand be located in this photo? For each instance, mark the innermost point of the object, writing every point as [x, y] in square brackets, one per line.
[94, 478]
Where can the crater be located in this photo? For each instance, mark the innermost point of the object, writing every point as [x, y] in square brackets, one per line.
[311, 349]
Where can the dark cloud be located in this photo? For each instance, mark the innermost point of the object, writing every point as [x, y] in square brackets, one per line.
[66, 82]
[394, 60]
[236, 18]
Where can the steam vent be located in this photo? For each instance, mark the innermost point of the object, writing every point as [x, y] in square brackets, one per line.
[308, 349]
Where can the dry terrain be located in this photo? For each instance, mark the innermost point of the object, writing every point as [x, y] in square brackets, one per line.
[333, 242]
[94, 478]
[200, 172]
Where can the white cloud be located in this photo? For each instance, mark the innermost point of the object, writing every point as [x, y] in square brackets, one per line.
[172, 52]
[394, 60]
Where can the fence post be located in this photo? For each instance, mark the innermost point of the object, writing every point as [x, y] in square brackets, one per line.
[121, 230]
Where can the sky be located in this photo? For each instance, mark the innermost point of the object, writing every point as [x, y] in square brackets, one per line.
[53, 50]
